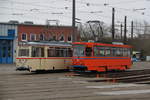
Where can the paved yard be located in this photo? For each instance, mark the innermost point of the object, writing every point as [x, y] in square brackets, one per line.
[15, 85]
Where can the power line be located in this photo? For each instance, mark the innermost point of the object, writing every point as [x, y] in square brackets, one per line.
[64, 7]
[37, 5]
[124, 2]
[62, 13]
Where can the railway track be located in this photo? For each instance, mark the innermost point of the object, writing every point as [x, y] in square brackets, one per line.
[131, 76]
[59, 86]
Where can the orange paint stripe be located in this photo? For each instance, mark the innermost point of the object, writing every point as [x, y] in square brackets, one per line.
[48, 58]
[101, 57]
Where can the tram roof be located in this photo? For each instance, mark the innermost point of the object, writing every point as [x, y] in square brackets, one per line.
[46, 43]
[103, 44]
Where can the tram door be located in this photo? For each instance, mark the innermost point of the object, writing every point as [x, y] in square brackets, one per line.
[6, 51]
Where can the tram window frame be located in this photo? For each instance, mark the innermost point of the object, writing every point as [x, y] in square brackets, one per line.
[38, 52]
[23, 53]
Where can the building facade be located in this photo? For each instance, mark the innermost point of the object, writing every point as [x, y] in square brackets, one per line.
[44, 33]
[11, 34]
[8, 38]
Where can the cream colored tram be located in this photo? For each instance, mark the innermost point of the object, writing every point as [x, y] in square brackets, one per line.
[43, 56]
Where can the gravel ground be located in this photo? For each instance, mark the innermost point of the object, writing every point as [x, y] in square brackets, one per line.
[15, 85]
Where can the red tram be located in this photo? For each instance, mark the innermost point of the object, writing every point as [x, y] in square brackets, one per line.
[101, 57]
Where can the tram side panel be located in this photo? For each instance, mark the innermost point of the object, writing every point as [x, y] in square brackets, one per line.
[55, 63]
[25, 61]
[101, 57]
[107, 64]
[33, 57]
[36, 58]
[33, 64]
[57, 58]
[102, 64]
[41, 64]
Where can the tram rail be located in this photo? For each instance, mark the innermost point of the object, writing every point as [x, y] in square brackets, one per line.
[131, 76]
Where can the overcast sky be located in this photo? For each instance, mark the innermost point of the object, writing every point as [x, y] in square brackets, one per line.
[40, 10]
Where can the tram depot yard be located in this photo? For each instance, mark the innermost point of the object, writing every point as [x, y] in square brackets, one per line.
[133, 84]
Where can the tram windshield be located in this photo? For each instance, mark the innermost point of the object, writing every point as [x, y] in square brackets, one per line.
[78, 50]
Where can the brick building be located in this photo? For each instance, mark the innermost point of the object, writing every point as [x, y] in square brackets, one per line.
[12, 33]
[44, 33]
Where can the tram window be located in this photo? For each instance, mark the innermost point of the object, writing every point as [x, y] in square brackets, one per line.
[51, 52]
[37, 52]
[119, 51]
[57, 52]
[107, 51]
[23, 52]
[113, 50]
[88, 51]
[65, 52]
[62, 53]
[99, 51]
[78, 50]
[96, 52]
[69, 54]
[126, 52]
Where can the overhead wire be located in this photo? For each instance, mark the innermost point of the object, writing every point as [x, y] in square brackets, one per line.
[66, 11]
[33, 4]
